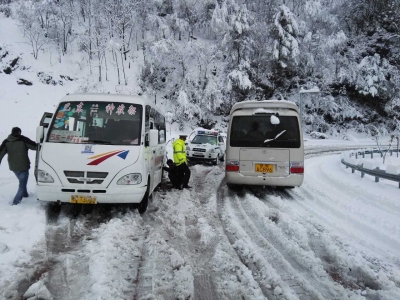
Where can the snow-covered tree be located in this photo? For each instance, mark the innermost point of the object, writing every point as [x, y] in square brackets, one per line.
[286, 44]
[372, 74]
[33, 24]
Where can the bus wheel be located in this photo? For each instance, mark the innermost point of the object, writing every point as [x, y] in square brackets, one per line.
[142, 207]
[54, 207]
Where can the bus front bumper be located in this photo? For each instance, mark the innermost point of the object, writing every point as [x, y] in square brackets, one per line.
[127, 194]
[239, 179]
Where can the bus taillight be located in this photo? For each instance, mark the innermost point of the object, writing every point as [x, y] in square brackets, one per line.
[297, 167]
[232, 166]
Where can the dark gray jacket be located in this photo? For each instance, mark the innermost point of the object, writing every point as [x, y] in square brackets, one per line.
[17, 149]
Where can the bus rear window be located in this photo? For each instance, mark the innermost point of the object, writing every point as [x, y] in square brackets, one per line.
[109, 123]
[258, 131]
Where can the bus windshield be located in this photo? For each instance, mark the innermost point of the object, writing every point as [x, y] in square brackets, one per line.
[258, 131]
[109, 123]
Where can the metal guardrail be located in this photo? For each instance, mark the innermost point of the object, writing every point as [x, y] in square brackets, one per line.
[376, 173]
[371, 152]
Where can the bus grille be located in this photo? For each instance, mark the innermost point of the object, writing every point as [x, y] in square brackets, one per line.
[90, 178]
[199, 149]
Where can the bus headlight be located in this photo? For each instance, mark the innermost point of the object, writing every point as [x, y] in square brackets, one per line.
[133, 178]
[212, 151]
[43, 176]
[187, 148]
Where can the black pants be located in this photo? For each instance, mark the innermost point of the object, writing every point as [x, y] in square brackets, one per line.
[184, 174]
[175, 179]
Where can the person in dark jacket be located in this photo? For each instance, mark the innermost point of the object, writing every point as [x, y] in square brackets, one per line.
[16, 146]
[173, 174]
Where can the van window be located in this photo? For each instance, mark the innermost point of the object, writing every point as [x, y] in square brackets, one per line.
[257, 131]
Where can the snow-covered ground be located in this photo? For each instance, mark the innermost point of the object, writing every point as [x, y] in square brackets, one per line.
[335, 237]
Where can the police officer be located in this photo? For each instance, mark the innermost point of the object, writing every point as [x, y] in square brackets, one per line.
[179, 149]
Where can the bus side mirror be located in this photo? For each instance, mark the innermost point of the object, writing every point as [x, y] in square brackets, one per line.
[46, 118]
[39, 134]
[153, 137]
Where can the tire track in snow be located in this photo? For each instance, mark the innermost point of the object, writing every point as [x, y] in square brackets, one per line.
[272, 268]
[208, 243]
[204, 288]
[61, 238]
[288, 243]
[66, 269]
[339, 259]
[333, 253]
[69, 275]
[170, 268]
[305, 234]
[225, 217]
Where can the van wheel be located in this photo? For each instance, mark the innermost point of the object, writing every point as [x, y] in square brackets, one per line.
[142, 207]
[222, 158]
[233, 187]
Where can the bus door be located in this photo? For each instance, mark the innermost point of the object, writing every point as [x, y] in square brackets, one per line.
[44, 121]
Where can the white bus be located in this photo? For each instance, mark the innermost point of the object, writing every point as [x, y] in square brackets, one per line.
[100, 148]
[264, 144]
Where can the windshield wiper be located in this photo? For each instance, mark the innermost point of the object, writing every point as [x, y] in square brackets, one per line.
[278, 135]
[100, 142]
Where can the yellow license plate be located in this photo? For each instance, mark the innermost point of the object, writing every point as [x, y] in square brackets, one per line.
[83, 199]
[265, 168]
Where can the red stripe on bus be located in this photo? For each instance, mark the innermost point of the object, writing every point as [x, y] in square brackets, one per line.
[103, 158]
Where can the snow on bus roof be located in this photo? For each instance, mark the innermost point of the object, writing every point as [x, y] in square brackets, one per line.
[105, 97]
[272, 104]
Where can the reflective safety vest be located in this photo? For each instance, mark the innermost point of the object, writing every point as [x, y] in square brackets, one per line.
[179, 148]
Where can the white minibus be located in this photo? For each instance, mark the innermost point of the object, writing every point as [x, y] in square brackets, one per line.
[100, 148]
[264, 144]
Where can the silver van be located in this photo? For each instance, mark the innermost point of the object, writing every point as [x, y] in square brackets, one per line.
[265, 144]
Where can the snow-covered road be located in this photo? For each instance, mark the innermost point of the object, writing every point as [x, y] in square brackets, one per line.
[335, 237]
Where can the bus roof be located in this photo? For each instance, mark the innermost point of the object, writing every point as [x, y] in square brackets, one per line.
[268, 104]
[106, 97]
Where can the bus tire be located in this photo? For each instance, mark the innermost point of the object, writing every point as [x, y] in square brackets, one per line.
[142, 207]
[54, 207]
